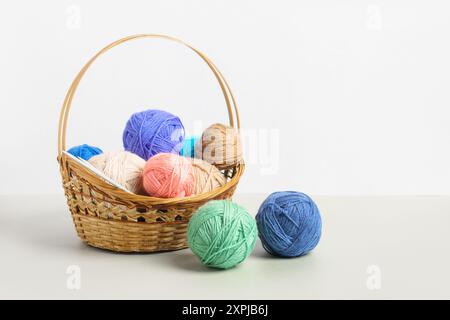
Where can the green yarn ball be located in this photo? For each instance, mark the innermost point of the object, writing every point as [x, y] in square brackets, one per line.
[222, 234]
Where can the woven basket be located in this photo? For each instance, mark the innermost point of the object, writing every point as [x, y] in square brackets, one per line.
[110, 218]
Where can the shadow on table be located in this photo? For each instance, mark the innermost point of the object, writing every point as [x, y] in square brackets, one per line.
[186, 260]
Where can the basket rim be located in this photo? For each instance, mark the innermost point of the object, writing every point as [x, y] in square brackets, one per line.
[67, 104]
[144, 200]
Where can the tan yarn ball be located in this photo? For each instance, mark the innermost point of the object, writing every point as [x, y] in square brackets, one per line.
[207, 176]
[219, 145]
[123, 167]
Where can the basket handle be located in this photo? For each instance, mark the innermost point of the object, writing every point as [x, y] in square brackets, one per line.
[228, 95]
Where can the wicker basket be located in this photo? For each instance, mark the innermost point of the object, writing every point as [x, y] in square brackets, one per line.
[110, 218]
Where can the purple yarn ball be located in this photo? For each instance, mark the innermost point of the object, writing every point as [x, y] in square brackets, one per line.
[153, 131]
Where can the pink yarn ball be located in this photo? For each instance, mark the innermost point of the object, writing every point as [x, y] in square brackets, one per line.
[168, 175]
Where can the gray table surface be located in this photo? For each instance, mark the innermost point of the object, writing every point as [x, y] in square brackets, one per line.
[371, 248]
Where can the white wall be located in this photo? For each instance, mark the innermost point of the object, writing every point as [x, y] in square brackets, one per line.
[352, 97]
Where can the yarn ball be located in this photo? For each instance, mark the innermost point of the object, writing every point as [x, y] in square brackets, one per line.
[123, 167]
[289, 224]
[221, 234]
[188, 147]
[84, 151]
[168, 175]
[219, 145]
[151, 132]
[207, 176]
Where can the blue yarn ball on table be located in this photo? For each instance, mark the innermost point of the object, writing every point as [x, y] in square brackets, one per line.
[84, 151]
[151, 132]
[289, 224]
[188, 147]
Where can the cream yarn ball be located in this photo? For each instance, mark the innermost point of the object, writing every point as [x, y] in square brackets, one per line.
[123, 167]
[207, 176]
[219, 145]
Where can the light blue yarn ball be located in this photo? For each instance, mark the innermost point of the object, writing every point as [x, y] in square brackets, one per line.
[84, 151]
[151, 132]
[289, 224]
[188, 148]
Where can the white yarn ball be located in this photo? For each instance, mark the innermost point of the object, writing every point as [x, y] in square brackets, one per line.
[123, 167]
[207, 176]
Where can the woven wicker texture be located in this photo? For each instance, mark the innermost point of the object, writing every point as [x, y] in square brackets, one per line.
[110, 218]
